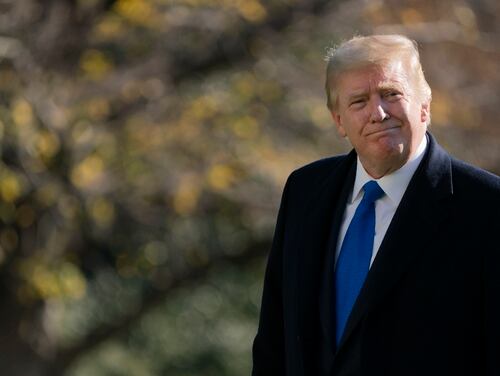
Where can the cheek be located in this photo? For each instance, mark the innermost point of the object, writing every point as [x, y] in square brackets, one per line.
[414, 116]
[407, 111]
[354, 122]
[360, 119]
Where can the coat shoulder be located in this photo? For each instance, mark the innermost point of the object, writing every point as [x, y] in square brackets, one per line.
[470, 179]
[317, 171]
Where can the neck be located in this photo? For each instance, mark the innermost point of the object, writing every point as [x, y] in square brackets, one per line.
[379, 171]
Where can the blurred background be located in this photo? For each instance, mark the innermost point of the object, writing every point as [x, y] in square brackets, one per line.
[144, 146]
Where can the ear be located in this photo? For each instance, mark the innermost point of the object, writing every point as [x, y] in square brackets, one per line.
[338, 122]
[425, 112]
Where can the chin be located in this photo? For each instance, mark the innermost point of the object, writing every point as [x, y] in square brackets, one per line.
[393, 154]
[389, 146]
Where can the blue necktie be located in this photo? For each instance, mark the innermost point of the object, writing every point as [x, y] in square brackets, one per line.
[355, 255]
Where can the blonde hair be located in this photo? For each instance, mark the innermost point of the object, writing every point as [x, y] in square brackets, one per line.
[378, 50]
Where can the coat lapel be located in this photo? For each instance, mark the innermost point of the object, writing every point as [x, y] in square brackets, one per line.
[313, 237]
[326, 294]
[422, 209]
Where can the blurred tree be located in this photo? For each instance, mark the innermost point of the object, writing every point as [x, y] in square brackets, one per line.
[144, 145]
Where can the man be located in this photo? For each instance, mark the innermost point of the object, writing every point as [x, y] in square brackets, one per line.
[385, 261]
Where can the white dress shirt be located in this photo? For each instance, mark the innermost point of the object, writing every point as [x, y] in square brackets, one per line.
[394, 185]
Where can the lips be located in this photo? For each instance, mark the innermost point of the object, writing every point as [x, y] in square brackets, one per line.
[383, 130]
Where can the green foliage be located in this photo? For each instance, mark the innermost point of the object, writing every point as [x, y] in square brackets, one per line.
[202, 329]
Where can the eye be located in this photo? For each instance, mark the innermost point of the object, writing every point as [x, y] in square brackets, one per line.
[392, 95]
[359, 102]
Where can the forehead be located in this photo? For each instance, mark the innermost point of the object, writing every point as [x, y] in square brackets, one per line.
[373, 77]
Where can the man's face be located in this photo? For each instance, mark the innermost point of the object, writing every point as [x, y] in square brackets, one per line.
[381, 115]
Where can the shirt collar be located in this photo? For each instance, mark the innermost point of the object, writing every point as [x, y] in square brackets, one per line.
[394, 184]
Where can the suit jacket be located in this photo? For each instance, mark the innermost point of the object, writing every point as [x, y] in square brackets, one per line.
[431, 302]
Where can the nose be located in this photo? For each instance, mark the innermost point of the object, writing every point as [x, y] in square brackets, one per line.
[378, 112]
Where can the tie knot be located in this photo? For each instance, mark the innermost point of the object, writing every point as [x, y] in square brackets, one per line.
[372, 191]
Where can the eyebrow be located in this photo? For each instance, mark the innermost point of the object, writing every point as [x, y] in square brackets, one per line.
[391, 85]
[357, 94]
[382, 87]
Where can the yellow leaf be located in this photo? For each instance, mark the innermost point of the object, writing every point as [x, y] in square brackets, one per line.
[221, 176]
[102, 211]
[22, 113]
[10, 188]
[72, 283]
[95, 64]
[88, 172]
[139, 12]
[45, 282]
[252, 10]
[245, 85]
[203, 107]
[98, 108]
[187, 195]
[246, 127]
[47, 145]
[63, 280]
[110, 27]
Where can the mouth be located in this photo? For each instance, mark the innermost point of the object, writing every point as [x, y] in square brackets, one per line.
[383, 130]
